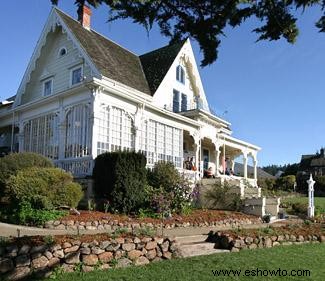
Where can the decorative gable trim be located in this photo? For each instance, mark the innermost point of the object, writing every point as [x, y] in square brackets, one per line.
[52, 22]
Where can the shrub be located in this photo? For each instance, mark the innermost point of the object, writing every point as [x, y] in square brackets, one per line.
[221, 196]
[27, 215]
[286, 182]
[14, 162]
[164, 175]
[120, 177]
[266, 183]
[44, 188]
[169, 188]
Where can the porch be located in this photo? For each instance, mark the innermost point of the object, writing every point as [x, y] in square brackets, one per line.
[216, 158]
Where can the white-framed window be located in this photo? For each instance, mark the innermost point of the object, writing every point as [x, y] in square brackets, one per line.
[48, 87]
[76, 75]
[176, 103]
[41, 135]
[77, 134]
[180, 74]
[62, 52]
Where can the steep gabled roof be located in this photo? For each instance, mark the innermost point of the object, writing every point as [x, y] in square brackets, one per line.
[112, 60]
[157, 63]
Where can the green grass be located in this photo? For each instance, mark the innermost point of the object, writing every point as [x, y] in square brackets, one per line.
[319, 202]
[297, 257]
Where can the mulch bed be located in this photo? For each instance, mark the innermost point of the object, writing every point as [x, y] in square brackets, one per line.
[290, 229]
[196, 216]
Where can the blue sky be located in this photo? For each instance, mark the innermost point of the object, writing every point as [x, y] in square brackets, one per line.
[273, 92]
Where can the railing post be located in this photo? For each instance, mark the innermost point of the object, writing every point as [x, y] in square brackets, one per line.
[311, 207]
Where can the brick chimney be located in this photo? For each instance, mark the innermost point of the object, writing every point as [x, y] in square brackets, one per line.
[84, 15]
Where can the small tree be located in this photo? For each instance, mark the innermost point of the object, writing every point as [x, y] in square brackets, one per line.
[286, 183]
[120, 177]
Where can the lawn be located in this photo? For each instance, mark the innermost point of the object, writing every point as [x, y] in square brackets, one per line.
[298, 257]
[319, 202]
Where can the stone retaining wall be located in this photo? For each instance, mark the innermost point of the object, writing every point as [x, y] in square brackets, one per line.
[111, 226]
[235, 244]
[17, 262]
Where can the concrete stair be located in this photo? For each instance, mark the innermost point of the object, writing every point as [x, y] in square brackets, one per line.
[196, 245]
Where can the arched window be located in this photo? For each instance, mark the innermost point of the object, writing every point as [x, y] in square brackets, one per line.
[78, 132]
[180, 74]
[41, 135]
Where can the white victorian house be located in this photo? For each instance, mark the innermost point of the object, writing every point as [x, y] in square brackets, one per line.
[82, 95]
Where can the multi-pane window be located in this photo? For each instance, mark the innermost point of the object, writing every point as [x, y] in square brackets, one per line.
[76, 75]
[41, 136]
[164, 143]
[184, 102]
[103, 130]
[180, 74]
[77, 136]
[47, 87]
[176, 103]
[122, 130]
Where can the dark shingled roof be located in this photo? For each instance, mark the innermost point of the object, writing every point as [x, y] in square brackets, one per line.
[156, 63]
[112, 60]
[144, 73]
[318, 162]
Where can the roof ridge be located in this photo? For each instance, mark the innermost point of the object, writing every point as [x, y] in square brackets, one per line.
[163, 47]
[94, 31]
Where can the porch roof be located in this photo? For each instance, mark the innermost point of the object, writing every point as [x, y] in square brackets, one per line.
[231, 140]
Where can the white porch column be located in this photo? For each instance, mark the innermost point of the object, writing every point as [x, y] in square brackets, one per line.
[217, 161]
[245, 165]
[255, 170]
[94, 121]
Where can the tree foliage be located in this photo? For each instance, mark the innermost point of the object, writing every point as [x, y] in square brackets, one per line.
[205, 20]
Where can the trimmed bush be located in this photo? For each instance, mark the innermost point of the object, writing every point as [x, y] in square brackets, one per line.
[44, 188]
[14, 162]
[121, 178]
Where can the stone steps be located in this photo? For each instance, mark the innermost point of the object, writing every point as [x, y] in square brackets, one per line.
[196, 245]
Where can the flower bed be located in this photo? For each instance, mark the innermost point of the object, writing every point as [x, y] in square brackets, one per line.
[40, 256]
[111, 222]
[268, 237]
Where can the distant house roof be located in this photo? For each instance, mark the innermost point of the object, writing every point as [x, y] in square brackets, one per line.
[307, 156]
[261, 174]
[144, 73]
[318, 162]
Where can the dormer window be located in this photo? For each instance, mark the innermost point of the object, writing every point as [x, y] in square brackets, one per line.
[47, 87]
[180, 74]
[62, 52]
[76, 75]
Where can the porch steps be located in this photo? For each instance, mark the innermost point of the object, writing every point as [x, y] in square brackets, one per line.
[196, 245]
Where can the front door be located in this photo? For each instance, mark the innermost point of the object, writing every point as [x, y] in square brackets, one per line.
[205, 159]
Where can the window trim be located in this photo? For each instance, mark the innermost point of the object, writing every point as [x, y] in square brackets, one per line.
[71, 75]
[46, 81]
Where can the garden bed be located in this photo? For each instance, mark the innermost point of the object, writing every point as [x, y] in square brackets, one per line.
[88, 220]
[236, 240]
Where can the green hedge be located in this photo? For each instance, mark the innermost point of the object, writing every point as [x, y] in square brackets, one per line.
[120, 177]
[14, 162]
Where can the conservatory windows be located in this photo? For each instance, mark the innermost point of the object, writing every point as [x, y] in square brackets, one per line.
[41, 136]
[77, 135]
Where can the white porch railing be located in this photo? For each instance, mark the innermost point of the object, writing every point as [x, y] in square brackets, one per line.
[79, 167]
